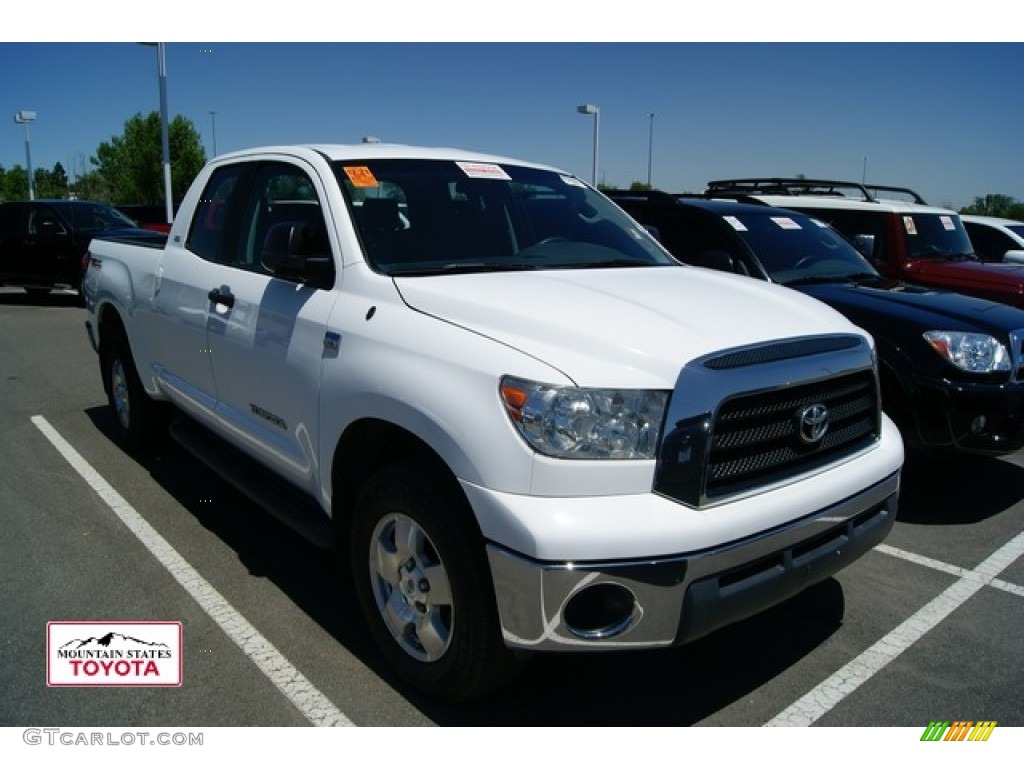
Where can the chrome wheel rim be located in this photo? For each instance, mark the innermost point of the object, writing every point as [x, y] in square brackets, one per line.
[411, 588]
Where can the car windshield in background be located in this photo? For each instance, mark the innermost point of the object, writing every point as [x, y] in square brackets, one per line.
[794, 248]
[89, 217]
[422, 217]
[933, 235]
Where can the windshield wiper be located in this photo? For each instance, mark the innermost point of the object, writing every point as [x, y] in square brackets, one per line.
[852, 277]
[815, 280]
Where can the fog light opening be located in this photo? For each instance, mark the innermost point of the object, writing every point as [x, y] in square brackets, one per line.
[600, 611]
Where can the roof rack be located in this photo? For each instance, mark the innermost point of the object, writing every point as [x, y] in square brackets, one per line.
[796, 187]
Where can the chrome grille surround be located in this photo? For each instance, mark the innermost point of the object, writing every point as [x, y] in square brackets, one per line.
[733, 419]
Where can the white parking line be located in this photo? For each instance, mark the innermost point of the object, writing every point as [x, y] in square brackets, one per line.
[955, 570]
[812, 706]
[316, 707]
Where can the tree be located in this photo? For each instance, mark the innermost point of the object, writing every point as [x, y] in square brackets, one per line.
[130, 166]
[91, 186]
[51, 185]
[1002, 206]
[48, 184]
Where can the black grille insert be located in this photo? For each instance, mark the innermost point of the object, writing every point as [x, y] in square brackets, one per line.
[756, 438]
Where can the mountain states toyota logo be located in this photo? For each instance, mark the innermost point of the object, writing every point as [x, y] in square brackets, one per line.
[133, 653]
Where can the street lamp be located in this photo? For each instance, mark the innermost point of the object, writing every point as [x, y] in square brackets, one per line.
[213, 125]
[161, 63]
[590, 109]
[24, 117]
[650, 150]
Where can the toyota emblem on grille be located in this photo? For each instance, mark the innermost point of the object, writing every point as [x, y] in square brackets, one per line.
[812, 423]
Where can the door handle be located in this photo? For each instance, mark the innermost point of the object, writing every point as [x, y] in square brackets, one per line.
[222, 296]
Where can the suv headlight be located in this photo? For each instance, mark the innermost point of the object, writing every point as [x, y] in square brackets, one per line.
[971, 352]
[579, 423]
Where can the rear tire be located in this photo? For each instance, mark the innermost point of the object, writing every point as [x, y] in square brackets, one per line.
[422, 580]
[140, 421]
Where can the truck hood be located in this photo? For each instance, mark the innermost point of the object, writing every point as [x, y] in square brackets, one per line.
[621, 327]
[998, 279]
[888, 307]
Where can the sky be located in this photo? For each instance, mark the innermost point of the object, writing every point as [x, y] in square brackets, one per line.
[946, 119]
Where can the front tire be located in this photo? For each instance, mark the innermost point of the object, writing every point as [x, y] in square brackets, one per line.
[423, 583]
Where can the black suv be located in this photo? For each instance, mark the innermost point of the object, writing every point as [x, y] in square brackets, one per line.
[951, 367]
[42, 242]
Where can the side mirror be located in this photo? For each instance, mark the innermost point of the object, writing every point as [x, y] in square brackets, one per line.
[865, 244]
[1014, 257]
[293, 251]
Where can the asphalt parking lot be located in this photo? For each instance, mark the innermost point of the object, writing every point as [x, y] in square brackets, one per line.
[926, 627]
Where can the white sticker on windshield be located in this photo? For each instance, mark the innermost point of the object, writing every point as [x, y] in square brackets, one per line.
[736, 223]
[785, 222]
[572, 181]
[483, 171]
[909, 225]
[947, 223]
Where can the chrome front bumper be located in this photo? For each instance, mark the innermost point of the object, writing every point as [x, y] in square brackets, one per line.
[673, 599]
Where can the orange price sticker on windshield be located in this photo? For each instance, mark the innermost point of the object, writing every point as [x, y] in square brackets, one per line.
[360, 176]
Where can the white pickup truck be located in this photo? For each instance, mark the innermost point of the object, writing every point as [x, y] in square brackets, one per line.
[526, 426]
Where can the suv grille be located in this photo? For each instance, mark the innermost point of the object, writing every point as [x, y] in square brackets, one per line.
[765, 437]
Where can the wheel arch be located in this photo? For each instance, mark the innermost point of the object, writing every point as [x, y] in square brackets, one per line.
[369, 445]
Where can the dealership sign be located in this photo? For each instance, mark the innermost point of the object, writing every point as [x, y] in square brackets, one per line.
[132, 653]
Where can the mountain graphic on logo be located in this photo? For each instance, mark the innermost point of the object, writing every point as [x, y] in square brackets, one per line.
[110, 641]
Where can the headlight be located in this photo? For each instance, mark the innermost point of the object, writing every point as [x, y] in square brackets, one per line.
[577, 423]
[971, 352]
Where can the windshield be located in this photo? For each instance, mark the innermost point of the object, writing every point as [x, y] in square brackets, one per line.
[95, 217]
[933, 235]
[792, 247]
[431, 216]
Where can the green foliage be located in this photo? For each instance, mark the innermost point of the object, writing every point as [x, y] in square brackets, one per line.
[640, 186]
[130, 167]
[1001, 206]
[13, 184]
[48, 184]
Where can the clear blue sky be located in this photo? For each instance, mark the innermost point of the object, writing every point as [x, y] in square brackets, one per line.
[945, 119]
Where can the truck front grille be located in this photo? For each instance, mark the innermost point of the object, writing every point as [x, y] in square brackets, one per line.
[757, 439]
[753, 417]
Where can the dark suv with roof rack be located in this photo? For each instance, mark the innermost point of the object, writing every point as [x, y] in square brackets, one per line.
[951, 366]
[903, 236]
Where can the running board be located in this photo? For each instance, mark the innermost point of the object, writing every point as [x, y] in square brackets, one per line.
[297, 510]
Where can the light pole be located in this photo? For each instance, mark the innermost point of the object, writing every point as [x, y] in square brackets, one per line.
[24, 117]
[591, 109]
[650, 150]
[213, 125]
[161, 65]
